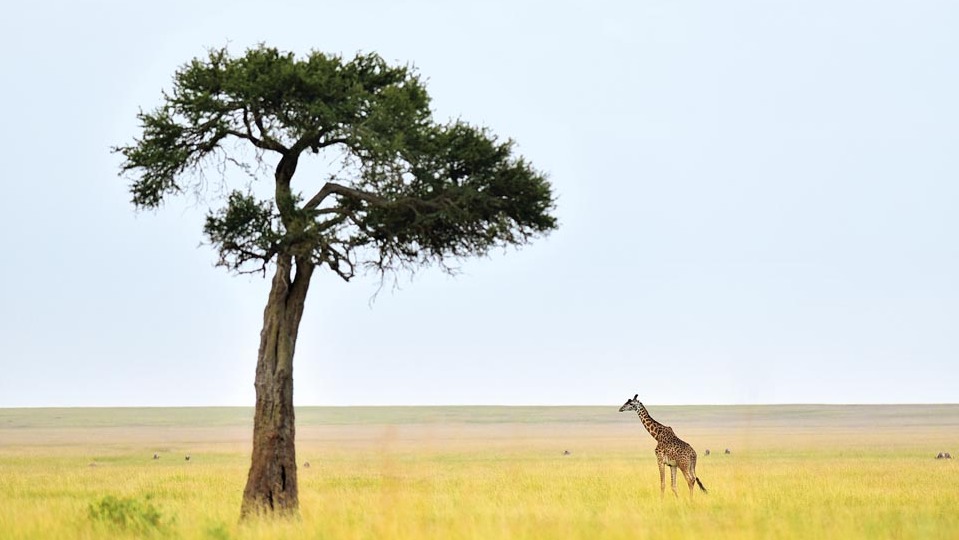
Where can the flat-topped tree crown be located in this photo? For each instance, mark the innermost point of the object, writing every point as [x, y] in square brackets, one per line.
[408, 191]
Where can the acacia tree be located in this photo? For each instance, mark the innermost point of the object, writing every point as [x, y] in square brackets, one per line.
[406, 191]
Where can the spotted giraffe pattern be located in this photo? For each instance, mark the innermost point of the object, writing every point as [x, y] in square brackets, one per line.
[670, 450]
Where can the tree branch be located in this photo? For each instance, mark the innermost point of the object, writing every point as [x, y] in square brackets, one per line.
[265, 143]
[332, 222]
[259, 143]
[340, 263]
[331, 188]
[264, 135]
[314, 141]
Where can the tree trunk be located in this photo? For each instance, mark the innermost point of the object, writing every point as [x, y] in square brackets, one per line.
[271, 485]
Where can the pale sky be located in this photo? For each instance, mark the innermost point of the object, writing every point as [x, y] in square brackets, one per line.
[758, 204]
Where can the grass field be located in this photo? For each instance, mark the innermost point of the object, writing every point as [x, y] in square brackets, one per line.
[486, 473]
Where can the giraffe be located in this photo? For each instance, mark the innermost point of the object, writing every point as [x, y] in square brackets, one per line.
[670, 449]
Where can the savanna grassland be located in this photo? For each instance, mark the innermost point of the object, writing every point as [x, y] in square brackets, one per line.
[486, 472]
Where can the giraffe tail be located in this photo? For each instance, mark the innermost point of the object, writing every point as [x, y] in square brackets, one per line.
[701, 485]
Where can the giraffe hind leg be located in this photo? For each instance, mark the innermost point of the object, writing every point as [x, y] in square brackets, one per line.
[690, 476]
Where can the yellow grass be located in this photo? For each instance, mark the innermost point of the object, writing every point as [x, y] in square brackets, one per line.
[486, 473]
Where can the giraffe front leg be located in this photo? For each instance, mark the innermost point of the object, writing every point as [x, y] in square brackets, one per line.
[662, 478]
[672, 472]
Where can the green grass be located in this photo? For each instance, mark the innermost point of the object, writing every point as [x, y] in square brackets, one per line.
[496, 472]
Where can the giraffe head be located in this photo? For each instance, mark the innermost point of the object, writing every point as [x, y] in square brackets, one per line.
[631, 404]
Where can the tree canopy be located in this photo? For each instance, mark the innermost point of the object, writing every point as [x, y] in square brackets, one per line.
[407, 190]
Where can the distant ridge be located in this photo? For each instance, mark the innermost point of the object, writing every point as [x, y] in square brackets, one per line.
[687, 415]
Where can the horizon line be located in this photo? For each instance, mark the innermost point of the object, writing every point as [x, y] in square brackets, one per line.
[490, 405]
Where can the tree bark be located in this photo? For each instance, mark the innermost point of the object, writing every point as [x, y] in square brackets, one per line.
[271, 486]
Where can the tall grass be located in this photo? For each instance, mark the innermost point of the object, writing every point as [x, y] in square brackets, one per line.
[497, 480]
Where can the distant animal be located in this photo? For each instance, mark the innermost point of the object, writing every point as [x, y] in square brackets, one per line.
[306, 464]
[188, 457]
[156, 456]
[727, 451]
[940, 455]
[92, 464]
[706, 453]
[947, 456]
[670, 449]
[567, 453]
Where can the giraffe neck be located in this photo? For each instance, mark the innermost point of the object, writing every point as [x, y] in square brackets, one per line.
[653, 427]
